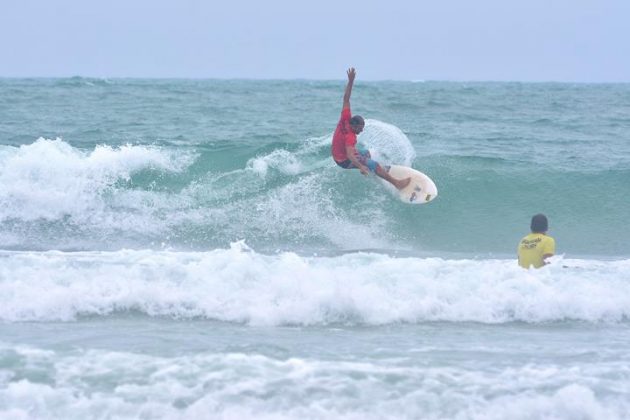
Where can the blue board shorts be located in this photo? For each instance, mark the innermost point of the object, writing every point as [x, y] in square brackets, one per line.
[364, 158]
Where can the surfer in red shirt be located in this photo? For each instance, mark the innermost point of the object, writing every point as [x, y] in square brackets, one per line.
[344, 143]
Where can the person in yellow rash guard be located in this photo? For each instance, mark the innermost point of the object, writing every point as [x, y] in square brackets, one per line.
[536, 247]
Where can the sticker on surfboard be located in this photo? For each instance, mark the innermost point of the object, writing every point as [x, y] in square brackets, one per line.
[420, 190]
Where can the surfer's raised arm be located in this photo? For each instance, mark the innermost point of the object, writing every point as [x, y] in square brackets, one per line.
[346, 96]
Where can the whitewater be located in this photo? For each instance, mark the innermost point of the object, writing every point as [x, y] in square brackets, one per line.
[181, 248]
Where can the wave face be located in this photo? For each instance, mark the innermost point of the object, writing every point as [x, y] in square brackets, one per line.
[240, 285]
[195, 165]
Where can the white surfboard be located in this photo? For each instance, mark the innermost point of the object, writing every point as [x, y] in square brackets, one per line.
[420, 190]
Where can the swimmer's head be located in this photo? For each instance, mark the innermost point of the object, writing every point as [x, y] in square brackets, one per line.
[539, 223]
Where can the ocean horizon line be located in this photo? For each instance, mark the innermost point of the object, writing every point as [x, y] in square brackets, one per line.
[307, 79]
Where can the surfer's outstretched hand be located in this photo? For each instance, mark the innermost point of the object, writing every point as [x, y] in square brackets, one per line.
[351, 74]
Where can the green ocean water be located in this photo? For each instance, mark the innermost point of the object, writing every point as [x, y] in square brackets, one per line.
[188, 249]
[258, 165]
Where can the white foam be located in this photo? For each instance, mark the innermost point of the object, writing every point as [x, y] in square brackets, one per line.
[284, 161]
[387, 143]
[569, 402]
[82, 384]
[50, 179]
[241, 285]
[305, 159]
[83, 199]
[302, 208]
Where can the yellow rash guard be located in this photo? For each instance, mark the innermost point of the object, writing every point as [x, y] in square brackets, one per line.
[532, 248]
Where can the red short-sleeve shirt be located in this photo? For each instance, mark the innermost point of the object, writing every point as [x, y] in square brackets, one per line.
[343, 137]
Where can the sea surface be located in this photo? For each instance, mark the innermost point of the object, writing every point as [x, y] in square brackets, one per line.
[188, 249]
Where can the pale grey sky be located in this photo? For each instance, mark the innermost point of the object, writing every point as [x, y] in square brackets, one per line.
[528, 40]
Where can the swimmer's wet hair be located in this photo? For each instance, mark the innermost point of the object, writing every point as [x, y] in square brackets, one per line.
[539, 223]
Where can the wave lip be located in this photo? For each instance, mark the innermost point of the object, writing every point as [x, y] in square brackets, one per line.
[240, 285]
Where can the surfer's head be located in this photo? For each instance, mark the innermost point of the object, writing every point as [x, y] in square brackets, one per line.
[356, 124]
[539, 223]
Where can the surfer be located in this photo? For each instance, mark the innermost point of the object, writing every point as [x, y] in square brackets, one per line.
[344, 150]
[536, 247]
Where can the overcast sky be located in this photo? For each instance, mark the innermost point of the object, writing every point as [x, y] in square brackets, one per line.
[525, 40]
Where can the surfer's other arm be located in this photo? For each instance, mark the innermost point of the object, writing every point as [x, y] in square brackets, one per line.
[353, 155]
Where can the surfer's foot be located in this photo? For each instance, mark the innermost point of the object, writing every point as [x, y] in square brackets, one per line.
[402, 183]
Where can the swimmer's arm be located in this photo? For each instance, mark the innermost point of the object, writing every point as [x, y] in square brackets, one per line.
[548, 250]
[352, 153]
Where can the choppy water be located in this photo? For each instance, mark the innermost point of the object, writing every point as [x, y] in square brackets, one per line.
[178, 248]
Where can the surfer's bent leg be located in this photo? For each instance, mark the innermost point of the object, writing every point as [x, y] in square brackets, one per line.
[364, 158]
[346, 164]
[374, 167]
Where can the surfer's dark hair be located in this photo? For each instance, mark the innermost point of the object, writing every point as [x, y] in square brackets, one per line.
[357, 120]
[539, 223]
